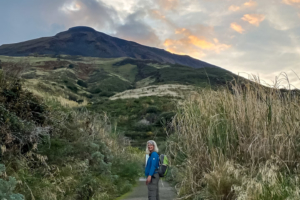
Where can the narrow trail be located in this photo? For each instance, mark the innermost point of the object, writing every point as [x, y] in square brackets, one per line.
[140, 192]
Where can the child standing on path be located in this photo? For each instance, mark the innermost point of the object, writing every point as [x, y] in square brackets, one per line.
[151, 170]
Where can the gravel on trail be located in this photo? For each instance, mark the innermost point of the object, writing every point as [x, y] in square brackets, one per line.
[140, 192]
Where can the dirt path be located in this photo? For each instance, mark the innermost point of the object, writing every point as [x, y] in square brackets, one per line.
[140, 192]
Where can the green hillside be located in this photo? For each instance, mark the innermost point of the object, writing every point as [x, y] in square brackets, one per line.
[109, 85]
[114, 75]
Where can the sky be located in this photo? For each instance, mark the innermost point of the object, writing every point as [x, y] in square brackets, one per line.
[247, 37]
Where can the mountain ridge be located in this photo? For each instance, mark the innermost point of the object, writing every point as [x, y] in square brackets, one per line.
[86, 41]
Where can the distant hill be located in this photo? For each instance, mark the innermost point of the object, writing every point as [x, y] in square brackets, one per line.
[85, 41]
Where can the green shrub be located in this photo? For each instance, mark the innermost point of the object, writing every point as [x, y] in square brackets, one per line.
[8, 186]
[71, 66]
[106, 94]
[80, 101]
[82, 83]
[142, 127]
[95, 90]
[151, 117]
[72, 97]
[22, 116]
[165, 118]
[72, 88]
[88, 95]
[152, 109]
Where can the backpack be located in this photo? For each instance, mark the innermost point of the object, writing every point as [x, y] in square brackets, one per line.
[163, 165]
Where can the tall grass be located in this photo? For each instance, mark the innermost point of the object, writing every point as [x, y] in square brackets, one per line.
[241, 142]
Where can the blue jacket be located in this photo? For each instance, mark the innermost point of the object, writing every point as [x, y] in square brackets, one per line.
[152, 164]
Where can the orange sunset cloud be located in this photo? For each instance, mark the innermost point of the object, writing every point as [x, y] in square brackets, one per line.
[291, 2]
[238, 28]
[254, 19]
[251, 3]
[193, 45]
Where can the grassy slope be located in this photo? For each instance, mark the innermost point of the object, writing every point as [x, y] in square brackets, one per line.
[74, 79]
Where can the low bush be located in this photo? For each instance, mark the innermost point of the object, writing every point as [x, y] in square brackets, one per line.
[106, 94]
[73, 88]
[8, 186]
[165, 118]
[71, 66]
[95, 90]
[152, 109]
[82, 83]
[72, 97]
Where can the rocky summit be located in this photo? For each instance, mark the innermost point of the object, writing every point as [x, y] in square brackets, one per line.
[86, 41]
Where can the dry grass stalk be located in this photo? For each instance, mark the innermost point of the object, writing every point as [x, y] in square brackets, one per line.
[224, 140]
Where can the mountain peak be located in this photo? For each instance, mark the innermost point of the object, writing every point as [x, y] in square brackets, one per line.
[86, 41]
[82, 28]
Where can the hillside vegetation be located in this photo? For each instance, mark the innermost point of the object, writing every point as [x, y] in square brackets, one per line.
[113, 86]
[49, 151]
[239, 143]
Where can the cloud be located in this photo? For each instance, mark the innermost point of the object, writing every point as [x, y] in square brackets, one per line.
[251, 3]
[281, 17]
[254, 19]
[181, 48]
[123, 7]
[196, 46]
[238, 28]
[157, 14]
[71, 7]
[234, 8]
[291, 2]
[92, 13]
[168, 4]
[134, 29]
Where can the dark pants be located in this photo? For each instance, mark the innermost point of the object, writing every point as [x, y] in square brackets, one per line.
[153, 191]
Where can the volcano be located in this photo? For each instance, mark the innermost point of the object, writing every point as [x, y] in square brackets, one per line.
[85, 41]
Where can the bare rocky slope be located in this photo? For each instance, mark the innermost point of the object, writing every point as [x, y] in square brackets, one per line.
[85, 41]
